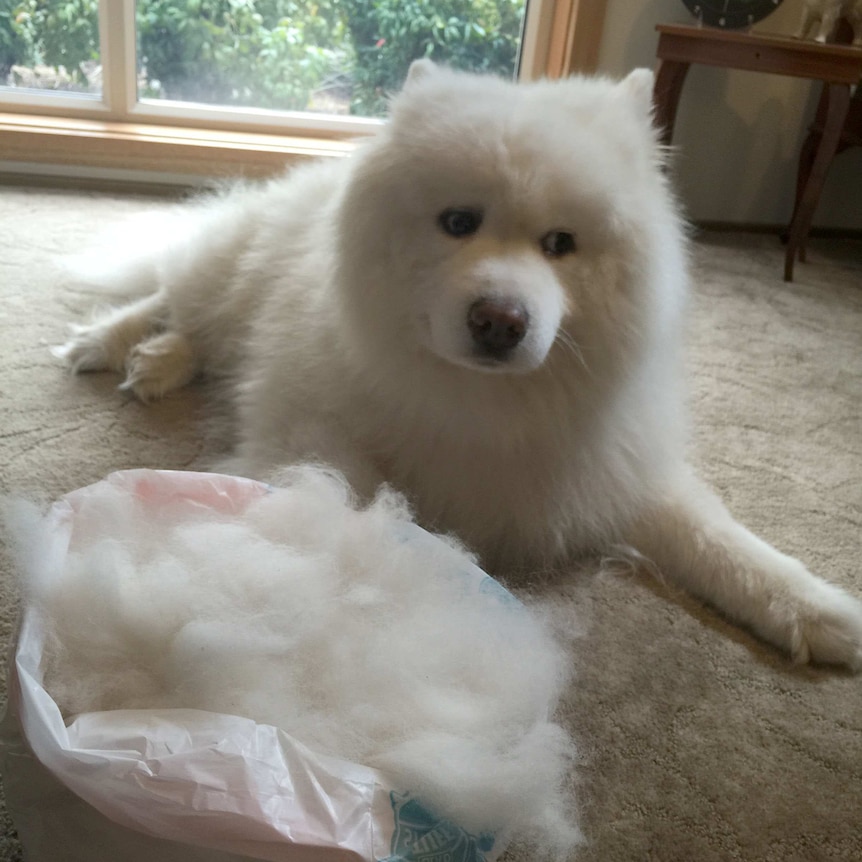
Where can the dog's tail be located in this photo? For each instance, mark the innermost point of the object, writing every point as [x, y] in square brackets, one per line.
[124, 261]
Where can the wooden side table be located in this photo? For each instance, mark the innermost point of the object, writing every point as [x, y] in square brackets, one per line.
[838, 66]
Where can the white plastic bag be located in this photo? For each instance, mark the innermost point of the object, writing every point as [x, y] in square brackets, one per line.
[190, 785]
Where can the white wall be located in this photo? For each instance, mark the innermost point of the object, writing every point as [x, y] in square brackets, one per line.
[738, 134]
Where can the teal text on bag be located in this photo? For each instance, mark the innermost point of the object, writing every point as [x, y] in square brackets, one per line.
[421, 836]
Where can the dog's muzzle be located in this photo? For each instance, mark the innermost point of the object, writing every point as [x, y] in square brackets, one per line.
[497, 326]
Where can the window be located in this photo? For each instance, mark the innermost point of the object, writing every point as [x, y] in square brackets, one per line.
[50, 46]
[216, 86]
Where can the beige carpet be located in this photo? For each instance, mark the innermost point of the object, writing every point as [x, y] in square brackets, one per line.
[697, 742]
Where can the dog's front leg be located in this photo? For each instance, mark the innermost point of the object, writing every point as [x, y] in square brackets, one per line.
[696, 543]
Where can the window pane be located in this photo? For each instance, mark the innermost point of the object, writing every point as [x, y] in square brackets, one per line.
[333, 56]
[50, 45]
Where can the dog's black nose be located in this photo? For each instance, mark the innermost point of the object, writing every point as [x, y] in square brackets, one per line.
[497, 325]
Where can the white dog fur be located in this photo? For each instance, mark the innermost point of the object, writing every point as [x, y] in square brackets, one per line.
[482, 307]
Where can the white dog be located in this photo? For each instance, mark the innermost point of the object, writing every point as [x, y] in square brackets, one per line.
[480, 307]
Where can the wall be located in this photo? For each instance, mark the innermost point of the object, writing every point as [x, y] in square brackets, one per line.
[738, 134]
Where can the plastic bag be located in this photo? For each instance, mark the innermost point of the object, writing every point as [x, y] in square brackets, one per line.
[191, 785]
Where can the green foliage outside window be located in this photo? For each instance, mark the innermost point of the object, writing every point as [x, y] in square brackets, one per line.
[387, 35]
[280, 54]
[13, 45]
[49, 33]
[268, 54]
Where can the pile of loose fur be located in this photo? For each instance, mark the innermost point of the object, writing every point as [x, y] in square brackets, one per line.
[349, 628]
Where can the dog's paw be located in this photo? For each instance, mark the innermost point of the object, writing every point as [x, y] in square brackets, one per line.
[827, 628]
[158, 366]
[91, 348]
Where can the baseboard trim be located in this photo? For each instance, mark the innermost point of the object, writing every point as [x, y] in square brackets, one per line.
[174, 188]
[179, 186]
[776, 229]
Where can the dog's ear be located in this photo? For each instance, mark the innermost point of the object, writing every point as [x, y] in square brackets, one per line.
[637, 88]
[420, 69]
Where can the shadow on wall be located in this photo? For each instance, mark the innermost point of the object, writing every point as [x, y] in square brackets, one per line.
[738, 162]
[738, 134]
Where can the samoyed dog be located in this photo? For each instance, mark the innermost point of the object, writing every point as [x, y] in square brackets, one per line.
[482, 308]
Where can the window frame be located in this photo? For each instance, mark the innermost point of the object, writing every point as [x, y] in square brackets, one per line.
[117, 131]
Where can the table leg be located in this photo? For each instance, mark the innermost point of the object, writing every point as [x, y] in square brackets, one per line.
[669, 79]
[806, 161]
[838, 96]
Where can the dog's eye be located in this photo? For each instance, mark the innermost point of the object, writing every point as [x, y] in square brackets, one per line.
[460, 221]
[556, 243]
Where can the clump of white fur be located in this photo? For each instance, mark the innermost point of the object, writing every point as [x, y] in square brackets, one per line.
[351, 629]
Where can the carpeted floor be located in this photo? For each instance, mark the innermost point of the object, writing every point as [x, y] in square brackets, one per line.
[697, 743]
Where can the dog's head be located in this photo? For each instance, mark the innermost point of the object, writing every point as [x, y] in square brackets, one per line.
[493, 225]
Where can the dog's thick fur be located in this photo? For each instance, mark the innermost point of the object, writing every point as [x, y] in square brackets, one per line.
[482, 307]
